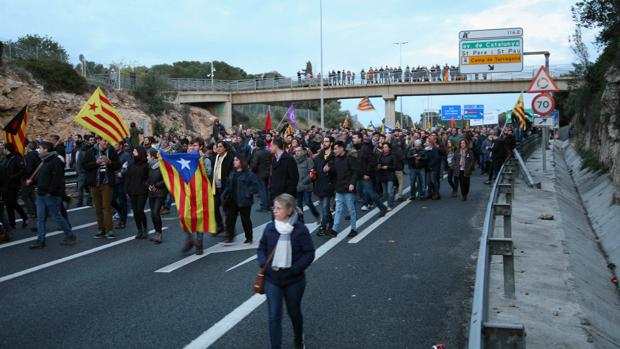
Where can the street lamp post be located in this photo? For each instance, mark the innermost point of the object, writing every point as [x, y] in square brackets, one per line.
[400, 48]
[321, 77]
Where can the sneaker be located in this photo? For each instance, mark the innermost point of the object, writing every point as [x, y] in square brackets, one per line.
[120, 225]
[247, 242]
[110, 236]
[353, 233]
[37, 245]
[100, 235]
[68, 241]
[388, 209]
[116, 217]
[383, 212]
[364, 208]
[227, 242]
[487, 182]
[321, 232]
[331, 233]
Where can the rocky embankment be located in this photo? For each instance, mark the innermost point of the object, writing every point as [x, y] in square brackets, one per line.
[53, 113]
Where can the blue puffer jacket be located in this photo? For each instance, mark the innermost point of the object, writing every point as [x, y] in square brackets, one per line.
[247, 186]
[303, 253]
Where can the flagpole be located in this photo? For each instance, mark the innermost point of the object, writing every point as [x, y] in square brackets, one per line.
[321, 78]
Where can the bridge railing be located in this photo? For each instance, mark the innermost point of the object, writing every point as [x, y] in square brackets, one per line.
[185, 84]
[482, 333]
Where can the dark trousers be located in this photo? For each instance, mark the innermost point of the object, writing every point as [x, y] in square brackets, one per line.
[453, 180]
[494, 169]
[217, 202]
[465, 181]
[306, 197]
[231, 219]
[28, 198]
[137, 206]
[10, 197]
[292, 296]
[119, 201]
[156, 204]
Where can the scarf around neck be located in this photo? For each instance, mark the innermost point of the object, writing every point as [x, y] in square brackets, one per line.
[283, 256]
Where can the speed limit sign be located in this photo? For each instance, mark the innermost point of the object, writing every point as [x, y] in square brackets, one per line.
[543, 104]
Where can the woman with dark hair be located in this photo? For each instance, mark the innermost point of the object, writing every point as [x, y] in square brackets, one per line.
[157, 193]
[453, 174]
[463, 163]
[238, 197]
[286, 242]
[136, 187]
[386, 171]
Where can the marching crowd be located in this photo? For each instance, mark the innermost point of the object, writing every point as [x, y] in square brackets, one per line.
[340, 167]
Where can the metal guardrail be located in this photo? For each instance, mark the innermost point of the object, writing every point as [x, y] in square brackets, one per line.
[482, 333]
[185, 84]
[527, 147]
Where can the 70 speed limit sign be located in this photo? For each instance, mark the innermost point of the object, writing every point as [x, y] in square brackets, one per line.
[543, 104]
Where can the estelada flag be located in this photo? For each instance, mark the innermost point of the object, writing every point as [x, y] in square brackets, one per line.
[267, 122]
[365, 105]
[347, 121]
[519, 112]
[15, 131]
[186, 179]
[99, 116]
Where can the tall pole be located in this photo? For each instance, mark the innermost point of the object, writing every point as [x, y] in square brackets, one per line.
[321, 79]
[212, 85]
[400, 66]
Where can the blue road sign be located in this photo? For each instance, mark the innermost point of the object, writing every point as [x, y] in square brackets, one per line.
[473, 111]
[555, 114]
[451, 111]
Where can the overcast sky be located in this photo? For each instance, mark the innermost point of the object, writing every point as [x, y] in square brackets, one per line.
[282, 35]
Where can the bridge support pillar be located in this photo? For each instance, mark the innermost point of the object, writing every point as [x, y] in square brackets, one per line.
[390, 110]
[226, 115]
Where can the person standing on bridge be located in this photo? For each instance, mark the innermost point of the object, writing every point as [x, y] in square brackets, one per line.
[286, 238]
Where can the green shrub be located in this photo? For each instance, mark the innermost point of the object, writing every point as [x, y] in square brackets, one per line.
[589, 160]
[158, 126]
[150, 92]
[54, 75]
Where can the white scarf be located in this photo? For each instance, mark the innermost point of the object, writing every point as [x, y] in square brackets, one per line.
[283, 256]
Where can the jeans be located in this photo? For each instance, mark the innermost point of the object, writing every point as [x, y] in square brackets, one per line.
[119, 202]
[348, 200]
[434, 182]
[369, 192]
[362, 192]
[52, 205]
[83, 188]
[417, 178]
[453, 180]
[327, 221]
[306, 196]
[292, 295]
[217, 202]
[263, 192]
[388, 189]
[167, 201]
[400, 178]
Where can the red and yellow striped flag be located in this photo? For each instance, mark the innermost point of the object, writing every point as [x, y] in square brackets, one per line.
[186, 179]
[15, 131]
[519, 112]
[99, 116]
[365, 105]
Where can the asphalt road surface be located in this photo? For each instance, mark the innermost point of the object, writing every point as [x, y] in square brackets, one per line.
[404, 282]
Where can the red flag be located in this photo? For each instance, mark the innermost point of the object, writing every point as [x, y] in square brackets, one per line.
[267, 122]
[452, 122]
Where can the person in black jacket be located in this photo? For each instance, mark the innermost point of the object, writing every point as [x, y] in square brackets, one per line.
[100, 164]
[284, 175]
[50, 189]
[32, 162]
[416, 156]
[367, 167]
[157, 193]
[136, 187]
[386, 165]
[238, 197]
[261, 166]
[222, 165]
[14, 167]
[324, 187]
[346, 176]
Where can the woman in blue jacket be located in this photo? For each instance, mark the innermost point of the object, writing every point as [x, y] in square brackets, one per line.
[288, 238]
[237, 198]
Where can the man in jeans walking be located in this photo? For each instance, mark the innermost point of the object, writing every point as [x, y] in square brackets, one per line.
[346, 176]
[100, 163]
[367, 165]
[50, 189]
[416, 156]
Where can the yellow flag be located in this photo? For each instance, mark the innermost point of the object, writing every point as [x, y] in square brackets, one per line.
[99, 116]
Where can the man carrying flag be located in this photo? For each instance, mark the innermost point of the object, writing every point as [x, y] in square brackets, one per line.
[186, 179]
[518, 116]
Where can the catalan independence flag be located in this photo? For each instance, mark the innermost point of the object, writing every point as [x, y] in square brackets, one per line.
[15, 131]
[186, 179]
[99, 116]
[365, 105]
[518, 112]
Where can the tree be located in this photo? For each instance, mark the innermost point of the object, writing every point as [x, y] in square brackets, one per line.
[37, 47]
[604, 14]
[333, 114]
[91, 68]
[150, 92]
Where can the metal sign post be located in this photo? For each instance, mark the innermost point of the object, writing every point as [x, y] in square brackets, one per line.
[545, 129]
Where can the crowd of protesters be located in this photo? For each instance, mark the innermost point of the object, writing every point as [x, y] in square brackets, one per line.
[387, 75]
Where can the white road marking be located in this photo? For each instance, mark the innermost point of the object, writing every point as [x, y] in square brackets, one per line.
[21, 241]
[68, 258]
[377, 223]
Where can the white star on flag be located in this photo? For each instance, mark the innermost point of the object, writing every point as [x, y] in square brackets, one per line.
[184, 163]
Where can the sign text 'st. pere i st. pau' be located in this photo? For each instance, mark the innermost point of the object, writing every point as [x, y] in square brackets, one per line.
[491, 51]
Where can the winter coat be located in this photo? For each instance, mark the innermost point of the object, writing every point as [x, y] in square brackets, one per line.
[386, 175]
[304, 165]
[485, 149]
[325, 184]
[89, 164]
[261, 163]
[469, 162]
[136, 178]
[156, 179]
[434, 159]
[227, 167]
[416, 158]
[14, 168]
[51, 177]
[345, 173]
[368, 161]
[284, 176]
[247, 186]
[302, 253]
